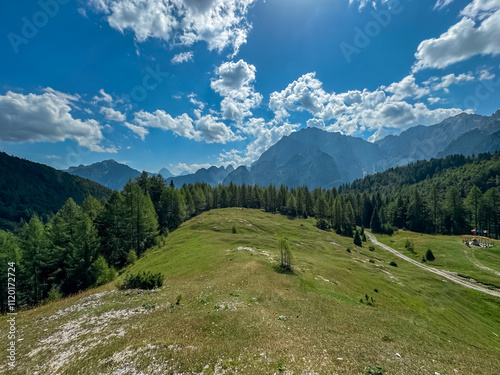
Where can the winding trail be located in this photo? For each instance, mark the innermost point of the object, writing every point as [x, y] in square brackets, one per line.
[446, 274]
[472, 258]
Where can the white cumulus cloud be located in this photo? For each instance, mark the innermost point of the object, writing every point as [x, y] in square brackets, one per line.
[234, 82]
[182, 57]
[219, 23]
[47, 118]
[112, 114]
[477, 33]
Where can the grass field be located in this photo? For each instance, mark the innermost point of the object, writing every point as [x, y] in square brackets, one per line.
[451, 254]
[238, 314]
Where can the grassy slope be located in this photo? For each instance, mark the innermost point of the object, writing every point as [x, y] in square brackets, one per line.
[451, 254]
[435, 326]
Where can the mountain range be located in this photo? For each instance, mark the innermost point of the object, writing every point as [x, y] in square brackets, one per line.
[317, 158]
[28, 188]
[111, 174]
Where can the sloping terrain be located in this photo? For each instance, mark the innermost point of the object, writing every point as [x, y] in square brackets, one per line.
[337, 313]
[28, 188]
[109, 173]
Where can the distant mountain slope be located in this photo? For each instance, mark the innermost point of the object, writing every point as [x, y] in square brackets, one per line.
[165, 173]
[212, 176]
[27, 188]
[240, 176]
[457, 170]
[317, 158]
[108, 173]
[426, 142]
[485, 138]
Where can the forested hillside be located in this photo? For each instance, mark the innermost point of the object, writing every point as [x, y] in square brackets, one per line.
[463, 172]
[82, 246]
[27, 188]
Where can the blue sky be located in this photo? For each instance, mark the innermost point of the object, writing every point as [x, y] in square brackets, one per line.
[189, 83]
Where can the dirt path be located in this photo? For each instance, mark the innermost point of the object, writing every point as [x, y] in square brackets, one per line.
[446, 274]
[469, 253]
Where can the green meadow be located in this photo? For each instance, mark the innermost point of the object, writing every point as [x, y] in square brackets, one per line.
[226, 308]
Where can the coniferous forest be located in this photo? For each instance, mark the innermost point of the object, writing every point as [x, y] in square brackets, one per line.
[86, 245]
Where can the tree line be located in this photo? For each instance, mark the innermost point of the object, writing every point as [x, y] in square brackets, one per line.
[85, 245]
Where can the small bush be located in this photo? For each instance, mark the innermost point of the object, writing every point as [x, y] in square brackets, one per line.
[363, 237]
[371, 261]
[148, 306]
[409, 246]
[357, 239]
[369, 370]
[322, 224]
[101, 272]
[348, 250]
[387, 229]
[131, 257]
[371, 248]
[178, 299]
[143, 280]
[54, 294]
[234, 230]
[429, 255]
[393, 263]
[423, 259]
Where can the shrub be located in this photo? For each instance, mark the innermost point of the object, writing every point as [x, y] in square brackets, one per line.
[393, 263]
[234, 229]
[178, 299]
[363, 237]
[143, 280]
[387, 229]
[54, 294]
[101, 272]
[357, 239]
[371, 248]
[429, 255]
[348, 250]
[409, 246]
[371, 261]
[322, 224]
[131, 257]
[369, 370]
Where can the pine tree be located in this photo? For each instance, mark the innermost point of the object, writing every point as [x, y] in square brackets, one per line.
[9, 253]
[34, 249]
[140, 219]
[173, 209]
[113, 231]
[491, 210]
[92, 207]
[86, 250]
[357, 239]
[375, 224]
[474, 201]
[416, 213]
[455, 211]
[291, 208]
[285, 254]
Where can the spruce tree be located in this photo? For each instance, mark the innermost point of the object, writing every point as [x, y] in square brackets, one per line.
[375, 224]
[357, 239]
